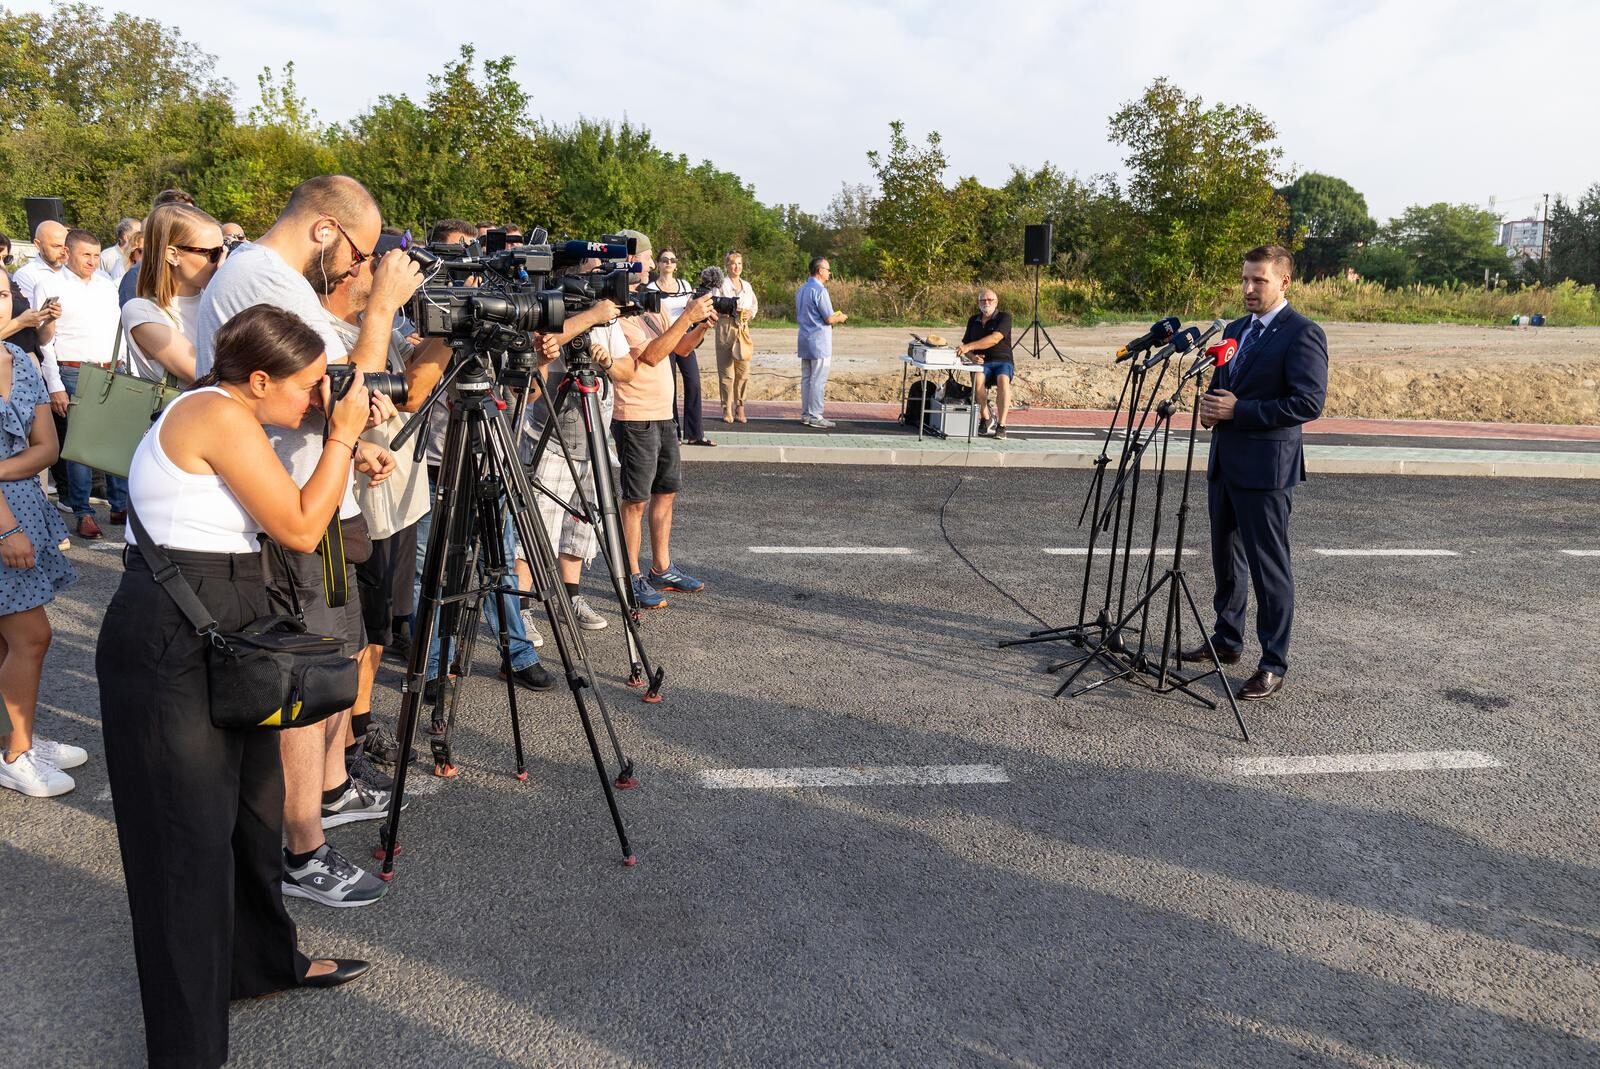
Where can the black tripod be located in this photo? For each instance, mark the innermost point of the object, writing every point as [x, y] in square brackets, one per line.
[1134, 662]
[581, 386]
[1041, 337]
[481, 480]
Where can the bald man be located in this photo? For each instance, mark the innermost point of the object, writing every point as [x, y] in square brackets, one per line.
[50, 238]
[987, 341]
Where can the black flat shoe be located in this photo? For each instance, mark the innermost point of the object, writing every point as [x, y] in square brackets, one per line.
[344, 970]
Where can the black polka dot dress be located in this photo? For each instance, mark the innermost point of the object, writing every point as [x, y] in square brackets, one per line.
[24, 588]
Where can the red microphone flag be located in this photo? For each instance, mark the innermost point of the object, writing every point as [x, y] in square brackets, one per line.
[1222, 352]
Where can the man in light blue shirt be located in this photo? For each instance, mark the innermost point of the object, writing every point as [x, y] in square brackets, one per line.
[813, 311]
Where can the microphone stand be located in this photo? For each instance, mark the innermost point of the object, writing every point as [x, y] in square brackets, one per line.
[1078, 633]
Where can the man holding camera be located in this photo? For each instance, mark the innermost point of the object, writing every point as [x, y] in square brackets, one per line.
[326, 232]
[647, 442]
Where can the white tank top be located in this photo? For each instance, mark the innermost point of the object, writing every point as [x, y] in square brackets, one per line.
[182, 510]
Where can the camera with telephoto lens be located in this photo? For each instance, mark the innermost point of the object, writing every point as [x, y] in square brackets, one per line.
[392, 386]
[725, 306]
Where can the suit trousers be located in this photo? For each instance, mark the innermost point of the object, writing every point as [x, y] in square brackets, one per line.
[1250, 536]
[733, 377]
[690, 427]
[199, 812]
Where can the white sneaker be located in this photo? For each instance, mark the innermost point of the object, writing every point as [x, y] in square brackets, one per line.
[588, 618]
[825, 423]
[809, 422]
[35, 777]
[533, 632]
[61, 754]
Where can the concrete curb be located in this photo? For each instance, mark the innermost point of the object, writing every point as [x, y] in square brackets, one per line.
[1322, 460]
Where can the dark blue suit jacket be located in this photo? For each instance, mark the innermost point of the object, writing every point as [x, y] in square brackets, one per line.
[1283, 383]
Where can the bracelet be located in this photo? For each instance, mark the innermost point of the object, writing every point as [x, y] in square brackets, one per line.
[348, 445]
[11, 532]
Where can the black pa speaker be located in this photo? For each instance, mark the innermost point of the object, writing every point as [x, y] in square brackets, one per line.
[1036, 241]
[43, 210]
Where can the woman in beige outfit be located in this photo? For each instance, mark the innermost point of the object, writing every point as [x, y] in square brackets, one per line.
[734, 347]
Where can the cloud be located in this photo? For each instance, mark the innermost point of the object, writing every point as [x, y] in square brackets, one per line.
[1411, 102]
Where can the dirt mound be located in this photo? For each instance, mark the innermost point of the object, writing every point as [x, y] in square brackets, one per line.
[1376, 371]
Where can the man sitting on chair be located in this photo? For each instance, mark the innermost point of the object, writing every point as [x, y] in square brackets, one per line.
[988, 341]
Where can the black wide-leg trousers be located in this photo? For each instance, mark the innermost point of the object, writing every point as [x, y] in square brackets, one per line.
[199, 812]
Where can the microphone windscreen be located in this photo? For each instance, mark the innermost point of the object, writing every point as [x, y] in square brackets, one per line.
[1166, 328]
[710, 278]
[1185, 339]
[1222, 352]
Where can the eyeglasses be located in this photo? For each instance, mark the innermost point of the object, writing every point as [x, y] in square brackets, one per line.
[667, 260]
[214, 253]
[357, 257]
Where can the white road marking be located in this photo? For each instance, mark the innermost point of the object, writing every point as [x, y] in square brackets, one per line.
[1582, 552]
[886, 551]
[1320, 764]
[860, 776]
[1082, 551]
[104, 795]
[1386, 552]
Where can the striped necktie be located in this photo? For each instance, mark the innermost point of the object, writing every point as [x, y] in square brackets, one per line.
[1247, 346]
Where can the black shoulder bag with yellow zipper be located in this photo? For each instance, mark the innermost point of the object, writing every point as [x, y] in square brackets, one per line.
[270, 675]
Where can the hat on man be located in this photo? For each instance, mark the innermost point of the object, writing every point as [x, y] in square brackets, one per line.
[641, 244]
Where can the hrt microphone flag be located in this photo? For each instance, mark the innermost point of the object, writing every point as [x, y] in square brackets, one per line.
[1159, 332]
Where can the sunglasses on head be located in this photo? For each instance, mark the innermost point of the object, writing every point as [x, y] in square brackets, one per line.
[214, 253]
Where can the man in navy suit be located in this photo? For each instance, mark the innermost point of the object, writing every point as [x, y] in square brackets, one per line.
[1276, 381]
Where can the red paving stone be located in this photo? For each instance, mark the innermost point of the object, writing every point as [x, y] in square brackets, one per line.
[1084, 417]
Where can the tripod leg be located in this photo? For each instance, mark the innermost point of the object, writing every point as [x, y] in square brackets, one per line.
[491, 522]
[1215, 660]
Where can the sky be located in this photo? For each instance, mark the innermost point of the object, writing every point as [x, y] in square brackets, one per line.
[1411, 102]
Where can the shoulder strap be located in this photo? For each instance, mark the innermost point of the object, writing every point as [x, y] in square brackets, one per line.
[172, 580]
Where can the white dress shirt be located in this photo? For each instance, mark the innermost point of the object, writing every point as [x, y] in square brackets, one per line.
[90, 316]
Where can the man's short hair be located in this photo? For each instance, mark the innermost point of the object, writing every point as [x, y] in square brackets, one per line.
[76, 236]
[126, 227]
[445, 227]
[172, 196]
[335, 195]
[1276, 255]
[816, 264]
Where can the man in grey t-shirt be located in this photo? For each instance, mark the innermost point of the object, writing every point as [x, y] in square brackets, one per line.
[325, 232]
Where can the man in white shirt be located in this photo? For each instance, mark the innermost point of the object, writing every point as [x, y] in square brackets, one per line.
[85, 334]
[114, 261]
[327, 232]
[50, 238]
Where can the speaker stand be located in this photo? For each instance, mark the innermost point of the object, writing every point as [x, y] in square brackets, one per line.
[1041, 337]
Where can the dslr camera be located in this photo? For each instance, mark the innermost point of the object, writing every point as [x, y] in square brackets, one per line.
[342, 376]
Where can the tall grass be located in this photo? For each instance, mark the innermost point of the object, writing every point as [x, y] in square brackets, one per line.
[1084, 301]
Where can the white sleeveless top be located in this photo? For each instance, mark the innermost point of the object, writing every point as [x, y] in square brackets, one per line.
[182, 510]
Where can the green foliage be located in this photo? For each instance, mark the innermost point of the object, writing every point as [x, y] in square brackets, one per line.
[1199, 193]
[1445, 243]
[1575, 238]
[1328, 223]
[923, 233]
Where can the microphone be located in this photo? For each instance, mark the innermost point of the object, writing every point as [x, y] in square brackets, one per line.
[710, 279]
[1216, 325]
[1181, 342]
[1159, 332]
[1215, 356]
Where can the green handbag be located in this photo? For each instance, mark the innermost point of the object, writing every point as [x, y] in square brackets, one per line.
[110, 413]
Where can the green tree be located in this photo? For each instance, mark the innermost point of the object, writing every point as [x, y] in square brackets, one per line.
[1447, 243]
[1328, 223]
[1386, 264]
[1200, 191]
[1083, 229]
[924, 233]
[848, 220]
[1575, 238]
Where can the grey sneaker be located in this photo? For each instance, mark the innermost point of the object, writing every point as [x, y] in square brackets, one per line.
[359, 802]
[534, 637]
[588, 618]
[363, 770]
[333, 880]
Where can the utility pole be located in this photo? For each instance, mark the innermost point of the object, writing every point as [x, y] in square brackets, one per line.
[1544, 242]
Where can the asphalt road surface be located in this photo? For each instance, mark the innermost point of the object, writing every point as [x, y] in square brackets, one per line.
[1107, 887]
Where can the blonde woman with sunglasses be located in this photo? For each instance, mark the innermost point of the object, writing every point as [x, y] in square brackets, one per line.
[183, 246]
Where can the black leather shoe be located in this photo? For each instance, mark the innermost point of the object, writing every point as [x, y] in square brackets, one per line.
[534, 677]
[1261, 686]
[1200, 654]
[344, 970]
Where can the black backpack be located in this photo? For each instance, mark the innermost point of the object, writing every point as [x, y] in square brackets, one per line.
[917, 398]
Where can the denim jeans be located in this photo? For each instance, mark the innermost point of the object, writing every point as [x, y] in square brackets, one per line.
[80, 477]
[813, 386]
[523, 655]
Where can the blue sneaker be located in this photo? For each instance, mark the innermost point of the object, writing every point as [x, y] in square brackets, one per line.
[646, 595]
[673, 579]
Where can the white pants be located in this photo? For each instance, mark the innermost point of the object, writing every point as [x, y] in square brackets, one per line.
[813, 386]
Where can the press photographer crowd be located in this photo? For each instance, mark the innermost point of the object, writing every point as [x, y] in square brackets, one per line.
[339, 442]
